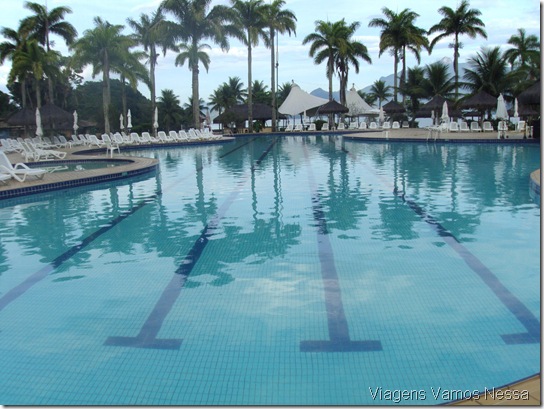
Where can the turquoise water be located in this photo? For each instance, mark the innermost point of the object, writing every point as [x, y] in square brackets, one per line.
[296, 270]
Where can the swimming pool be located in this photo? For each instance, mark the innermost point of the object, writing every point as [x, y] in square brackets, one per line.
[292, 270]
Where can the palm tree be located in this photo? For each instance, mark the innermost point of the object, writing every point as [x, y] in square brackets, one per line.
[414, 88]
[381, 91]
[130, 68]
[260, 93]
[349, 52]
[14, 41]
[151, 32]
[488, 72]
[368, 97]
[196, 22]
[279, 21]
[325, 42]
[100, 47]
[251, 15]
[457, 22]
[413, 39]
[438, 81]
[525, 53]
[45, 22]
[33, 60]
[169, 109]
[398, 33]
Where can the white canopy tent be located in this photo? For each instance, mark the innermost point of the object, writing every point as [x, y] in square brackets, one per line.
[357, 105]
[299, 101]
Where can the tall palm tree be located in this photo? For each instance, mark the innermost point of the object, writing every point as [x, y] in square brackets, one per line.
[44, 22]
[414, 39]
[100, 47]
[132, 70]
[381, 91]
[415, 89]
[193, 54]
[349, 52]
[525, 53]
[196, 22]
[251, 15]
[398, 32]
[150, 31]
[457, 22]
[279, 21]
[325, 42]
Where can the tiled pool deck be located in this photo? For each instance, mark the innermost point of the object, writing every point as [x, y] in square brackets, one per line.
[528, 389]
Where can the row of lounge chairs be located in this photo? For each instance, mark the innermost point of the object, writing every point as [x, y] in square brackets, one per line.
[352, 126]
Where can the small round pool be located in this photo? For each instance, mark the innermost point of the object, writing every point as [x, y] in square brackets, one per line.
[78, 165]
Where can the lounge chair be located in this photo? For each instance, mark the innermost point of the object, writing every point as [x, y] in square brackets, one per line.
[373, 125]
[298, 128]
[4, 177]
[520, 127]
[325, 126]
[454, 127]
[405, 124]
[475, 127]
[362, 125]
[289, 128]
[395, 125]
[93, 140]
[19, 171]
[487, 127]
[386, 125]
[183, 137]
[353, 125]
[463, 127]
[311, 127]
[31, 151]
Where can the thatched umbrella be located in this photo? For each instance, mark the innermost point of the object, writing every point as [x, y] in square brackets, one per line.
[54, 117]
[331, 107]
[531, 96]
[480, 101]
[24, 117]
[393, 107]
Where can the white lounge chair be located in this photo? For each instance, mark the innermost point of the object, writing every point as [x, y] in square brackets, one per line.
[341, 126]
[454, 127]
[19, 171]
[475, 127]
[289, 128]
[298, 128]
[4, 177]
[405, 124]
[520, 127]
[373, 125]
[395, 125]
[386, 125]
[353, 125]
[463, 127]
[362, 125]
[311, 127]
[325, 126]
[487, 127]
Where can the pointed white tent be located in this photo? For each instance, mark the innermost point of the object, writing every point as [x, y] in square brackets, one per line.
[299, 101]
[357, 105]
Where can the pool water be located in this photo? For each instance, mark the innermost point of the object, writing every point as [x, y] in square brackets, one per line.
[277, 271]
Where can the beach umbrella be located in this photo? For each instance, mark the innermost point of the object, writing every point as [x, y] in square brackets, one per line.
[516, 113]
[501, 113]
[39, 129]
[121, 122]
[156, 119]
[76, 127]
[445, 116]
[129, 119]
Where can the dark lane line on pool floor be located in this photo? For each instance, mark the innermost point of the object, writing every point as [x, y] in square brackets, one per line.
[339, 339]
[39, 275]
[505, 296]
[147, 337]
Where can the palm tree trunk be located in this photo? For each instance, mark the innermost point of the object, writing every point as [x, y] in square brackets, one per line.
[152, 55]
[273, 79]
[395, 79]
[106, 95]
[455, 65]
[123, 98]
[196, 99]
[403, 76]
[249, 88]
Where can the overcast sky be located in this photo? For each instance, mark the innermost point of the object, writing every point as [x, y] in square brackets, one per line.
[501, 17]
